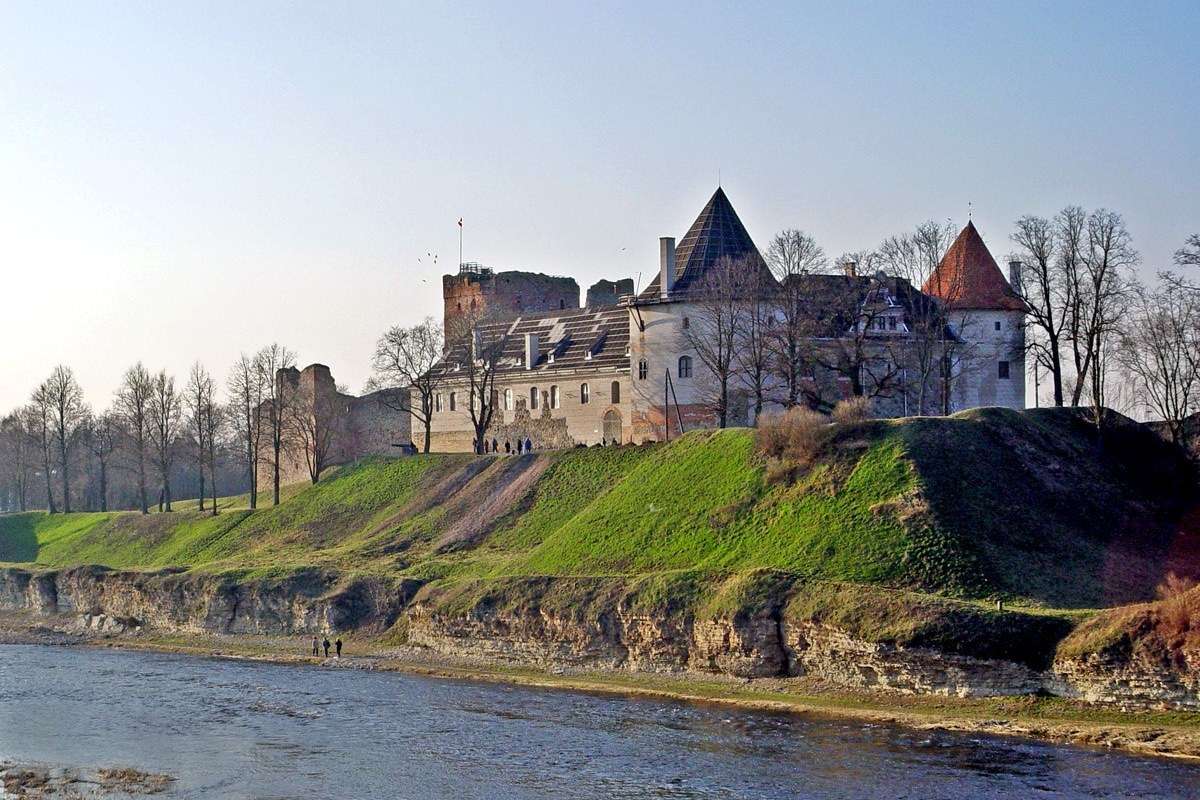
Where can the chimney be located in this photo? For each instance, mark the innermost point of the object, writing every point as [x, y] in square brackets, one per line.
[1015, 279]
[531, 350]
[851, 268]
[666, 265]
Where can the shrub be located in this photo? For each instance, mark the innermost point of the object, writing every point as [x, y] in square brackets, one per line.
[851, 410]
[1175, 608]
[791, 441]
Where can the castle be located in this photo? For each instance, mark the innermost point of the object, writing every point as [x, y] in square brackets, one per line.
[625, 368]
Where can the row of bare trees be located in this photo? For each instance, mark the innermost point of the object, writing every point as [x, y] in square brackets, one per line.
[57, 453]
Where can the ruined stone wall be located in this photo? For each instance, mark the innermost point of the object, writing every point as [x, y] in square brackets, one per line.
[379, 423]
[607, 293]
[504, 294]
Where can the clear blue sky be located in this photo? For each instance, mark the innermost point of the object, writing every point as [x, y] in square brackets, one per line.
[182, 182]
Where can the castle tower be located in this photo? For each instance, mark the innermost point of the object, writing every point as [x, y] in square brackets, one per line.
[478, 293]
[987, 314]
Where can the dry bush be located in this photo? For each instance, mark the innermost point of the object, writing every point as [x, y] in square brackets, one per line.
[1175, 608]
[791, 441]
[1174, 585]
[851, 410]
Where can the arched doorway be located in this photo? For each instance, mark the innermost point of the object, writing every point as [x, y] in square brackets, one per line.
[612, 425]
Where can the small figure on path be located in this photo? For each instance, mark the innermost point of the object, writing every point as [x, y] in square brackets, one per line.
[507, 446]
[316, 647]
[338, 645]
[519, 445]
[326, 645]
[528, 445]
[495, 446]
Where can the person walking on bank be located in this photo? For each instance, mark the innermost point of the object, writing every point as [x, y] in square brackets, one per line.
[338, 645]
[316, 648]
[326, 645]
[528, 445]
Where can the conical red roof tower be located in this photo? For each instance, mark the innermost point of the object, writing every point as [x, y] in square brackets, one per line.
[968, 277]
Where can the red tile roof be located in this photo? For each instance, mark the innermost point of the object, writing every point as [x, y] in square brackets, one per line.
[968, 277]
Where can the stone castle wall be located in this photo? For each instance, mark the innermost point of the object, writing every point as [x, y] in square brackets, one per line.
[504, 294]
[379, 423]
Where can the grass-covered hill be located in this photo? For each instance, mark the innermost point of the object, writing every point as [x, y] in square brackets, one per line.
[1035, 506]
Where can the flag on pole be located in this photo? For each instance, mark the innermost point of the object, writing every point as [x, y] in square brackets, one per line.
[460, 222]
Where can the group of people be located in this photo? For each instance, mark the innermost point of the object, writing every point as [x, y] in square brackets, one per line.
[493, 446]
[316, 647]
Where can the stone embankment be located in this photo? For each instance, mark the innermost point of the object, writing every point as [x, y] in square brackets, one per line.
[762, 644]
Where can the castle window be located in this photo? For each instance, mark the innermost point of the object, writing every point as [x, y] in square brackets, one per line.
[453, 404]
[685, 366]
[495, 398]
[997, 324]
[508, 405]
[585, 394]
[554, 397]
[687, 322]
[437, 402]
[643, 369]
[891, 323]
[1002, 372]
[533, 398]
[562, 303]
[615, 392]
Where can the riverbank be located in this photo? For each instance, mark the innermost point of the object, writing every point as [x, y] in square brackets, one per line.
[1164, 734]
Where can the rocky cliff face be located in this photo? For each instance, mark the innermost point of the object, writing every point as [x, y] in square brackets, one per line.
[198, 603]
[752, 646]
[608, 634]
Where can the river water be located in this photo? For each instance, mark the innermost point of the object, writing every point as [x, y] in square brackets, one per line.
[229, 729]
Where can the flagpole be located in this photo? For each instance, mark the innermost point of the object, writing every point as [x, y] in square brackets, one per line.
[460, 261]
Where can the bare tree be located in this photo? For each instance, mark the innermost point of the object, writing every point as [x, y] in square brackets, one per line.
[716, 326]
[1049, 294]
[792, 256]
[1160, 349]
[474, 351]
[199, 398]
[847, 318]
[133, 404]
[17, 457]
[1189, 254]
[1107, 257]
[914, 257]
[166, 411]
[754, 353]
[67, 412]
[405, 359]
[269, 361]
[247, 394]
[40, 421]
[214, 424]
[311, 419]
[102, 434]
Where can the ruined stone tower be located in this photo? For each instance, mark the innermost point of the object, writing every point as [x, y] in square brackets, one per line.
[480, 293]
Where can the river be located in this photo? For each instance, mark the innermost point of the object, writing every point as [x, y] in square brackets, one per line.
[229, 729]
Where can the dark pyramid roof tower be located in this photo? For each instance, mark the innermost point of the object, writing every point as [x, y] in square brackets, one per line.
[968, 277]
[717, 233]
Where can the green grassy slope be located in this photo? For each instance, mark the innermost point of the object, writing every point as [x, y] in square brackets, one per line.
[1036, 506]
